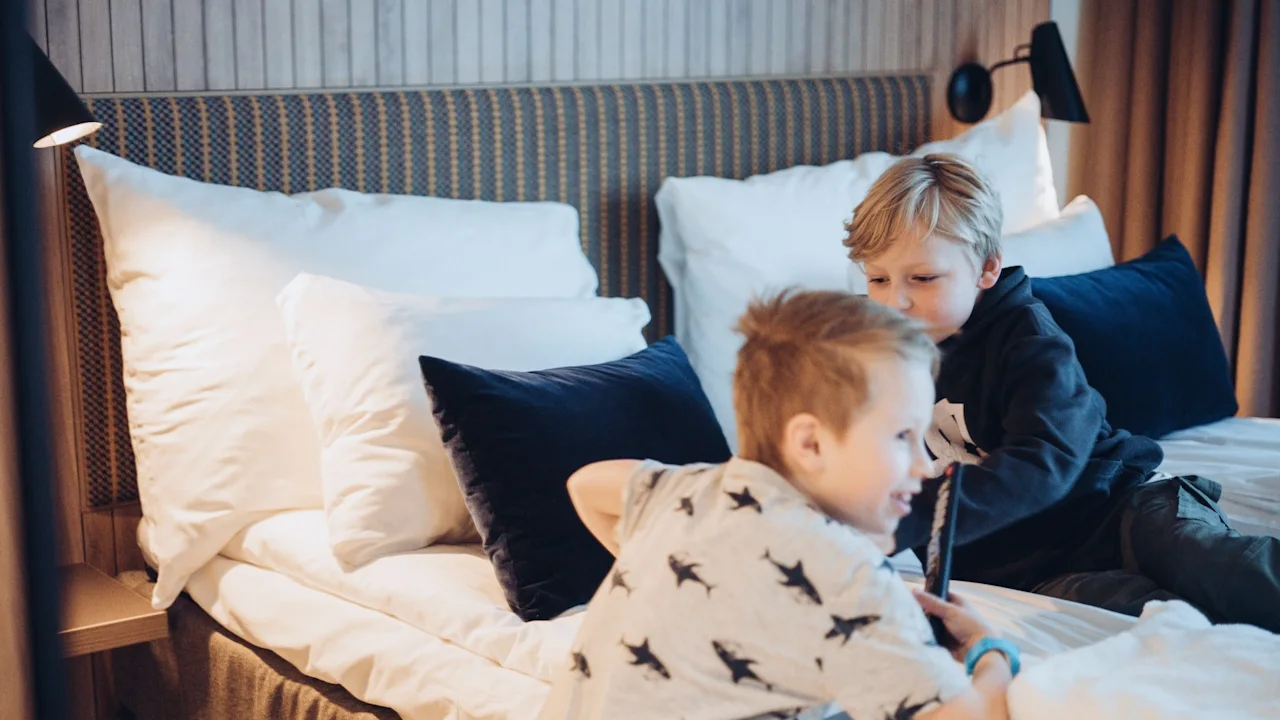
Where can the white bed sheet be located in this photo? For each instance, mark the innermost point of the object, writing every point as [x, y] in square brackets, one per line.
[1242, 453]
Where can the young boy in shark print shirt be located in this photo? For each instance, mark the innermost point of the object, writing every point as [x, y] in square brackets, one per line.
[759, 588]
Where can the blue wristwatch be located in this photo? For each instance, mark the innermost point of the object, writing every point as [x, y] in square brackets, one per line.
[986, 645]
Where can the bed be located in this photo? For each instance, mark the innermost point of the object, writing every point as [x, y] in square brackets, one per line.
[272, 626]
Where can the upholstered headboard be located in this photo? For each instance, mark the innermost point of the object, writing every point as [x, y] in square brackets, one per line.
[602, 148]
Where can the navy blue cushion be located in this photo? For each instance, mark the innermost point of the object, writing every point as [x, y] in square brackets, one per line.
[1147, 340]
[516, 437]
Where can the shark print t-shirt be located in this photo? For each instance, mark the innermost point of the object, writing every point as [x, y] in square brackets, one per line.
[733, 597]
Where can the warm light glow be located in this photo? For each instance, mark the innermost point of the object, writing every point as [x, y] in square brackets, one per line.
[67, 134]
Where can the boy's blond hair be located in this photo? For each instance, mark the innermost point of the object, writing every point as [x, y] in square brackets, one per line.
[805, 352]
[935, 194]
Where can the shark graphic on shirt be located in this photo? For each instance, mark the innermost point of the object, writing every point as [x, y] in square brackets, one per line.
[744, 499]
[650, 484]
[686, 505]
[845, 627]
[580, 665]
[642, 656]
[739, 667]
[618, 579]
[687, 571]
[907, 712]
[794, 577]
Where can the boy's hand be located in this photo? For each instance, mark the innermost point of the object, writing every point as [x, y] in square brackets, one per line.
[965, 625]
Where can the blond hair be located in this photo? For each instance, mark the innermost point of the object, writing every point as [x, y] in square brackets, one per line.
[935, 194]
[806, 352]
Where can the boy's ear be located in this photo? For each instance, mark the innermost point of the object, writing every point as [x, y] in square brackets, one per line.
[991, 271]
[801, 448]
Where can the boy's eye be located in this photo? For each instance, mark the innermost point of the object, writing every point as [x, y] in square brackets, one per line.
[924, 278]
[877, 280]
[904, 435]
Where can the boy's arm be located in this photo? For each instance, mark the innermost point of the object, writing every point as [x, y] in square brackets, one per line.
[1051, 421]
[596, 491]
[986, 697]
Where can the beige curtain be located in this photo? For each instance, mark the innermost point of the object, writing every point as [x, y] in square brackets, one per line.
[1184, 98]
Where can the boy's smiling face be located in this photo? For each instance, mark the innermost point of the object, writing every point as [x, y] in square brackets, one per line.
[867, 475]
[935, 280]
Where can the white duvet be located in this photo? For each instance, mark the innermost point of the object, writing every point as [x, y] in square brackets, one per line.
[429, 635]
[1171, 666]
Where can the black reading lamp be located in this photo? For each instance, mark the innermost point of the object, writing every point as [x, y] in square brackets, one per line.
[61, 116]
[969, 91]
[37, 108]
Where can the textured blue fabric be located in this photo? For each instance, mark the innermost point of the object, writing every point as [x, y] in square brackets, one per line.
[1147, 340]
[515, 438]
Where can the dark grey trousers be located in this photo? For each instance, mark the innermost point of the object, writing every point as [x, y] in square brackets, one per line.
[1169, 540]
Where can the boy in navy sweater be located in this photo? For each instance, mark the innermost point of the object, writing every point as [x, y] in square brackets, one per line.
[1057, 501]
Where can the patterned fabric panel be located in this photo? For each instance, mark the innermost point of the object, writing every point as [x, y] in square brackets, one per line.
[603, 149]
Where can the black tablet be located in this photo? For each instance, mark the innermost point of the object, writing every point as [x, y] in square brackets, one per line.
[937, 574]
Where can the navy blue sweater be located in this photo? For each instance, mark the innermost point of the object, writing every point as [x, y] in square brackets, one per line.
[1013, 400]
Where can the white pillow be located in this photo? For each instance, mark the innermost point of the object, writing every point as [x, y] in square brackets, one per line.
[1075, 242]
[388, 483]
[725, 241]
[220, 431]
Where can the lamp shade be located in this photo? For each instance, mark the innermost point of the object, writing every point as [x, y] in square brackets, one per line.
[1052, 78]
[61, 116]
[969, 90]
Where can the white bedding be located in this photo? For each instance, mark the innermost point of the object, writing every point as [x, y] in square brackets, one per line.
[1172, 666]
[429, 634]
[377, 658]
[1244, 455]
[447, 599]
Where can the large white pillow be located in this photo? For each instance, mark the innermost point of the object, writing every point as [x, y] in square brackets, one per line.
[1072, 243]
[220, 431]
[388, 483]
[725, 241]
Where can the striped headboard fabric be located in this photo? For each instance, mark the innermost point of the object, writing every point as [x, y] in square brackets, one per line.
[601, 148]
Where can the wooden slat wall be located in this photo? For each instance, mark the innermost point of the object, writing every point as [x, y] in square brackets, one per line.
[116, 46]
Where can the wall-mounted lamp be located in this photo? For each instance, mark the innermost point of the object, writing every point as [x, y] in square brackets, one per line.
[969, 91]
[61, 116]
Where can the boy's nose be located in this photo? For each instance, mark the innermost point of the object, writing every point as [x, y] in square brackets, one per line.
[901, 301]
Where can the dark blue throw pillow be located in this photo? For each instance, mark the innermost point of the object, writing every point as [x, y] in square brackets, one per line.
[1147, 340]
[516, 437]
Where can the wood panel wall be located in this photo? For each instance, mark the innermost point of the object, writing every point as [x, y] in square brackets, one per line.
[153, 46]
[157, 46]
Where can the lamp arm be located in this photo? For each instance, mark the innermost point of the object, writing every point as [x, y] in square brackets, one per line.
[1011, 61]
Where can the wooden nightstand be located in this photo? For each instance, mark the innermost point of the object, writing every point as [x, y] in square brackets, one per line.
[100, 613]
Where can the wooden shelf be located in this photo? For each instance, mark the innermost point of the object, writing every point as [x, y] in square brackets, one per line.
[100, 613]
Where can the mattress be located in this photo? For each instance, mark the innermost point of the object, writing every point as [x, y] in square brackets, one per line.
[1242, 453]
[429, 634]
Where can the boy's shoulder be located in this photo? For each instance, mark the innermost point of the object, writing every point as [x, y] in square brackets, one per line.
[741, 502]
